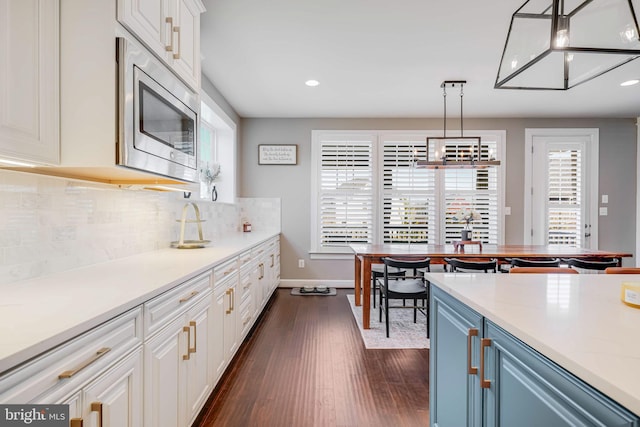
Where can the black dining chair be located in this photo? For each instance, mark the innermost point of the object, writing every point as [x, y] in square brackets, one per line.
[411, 286]
[550, 262]
[377, 272]
[459, 265]
[584, 266]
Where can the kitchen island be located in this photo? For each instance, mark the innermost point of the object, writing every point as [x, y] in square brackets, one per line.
[573, 328]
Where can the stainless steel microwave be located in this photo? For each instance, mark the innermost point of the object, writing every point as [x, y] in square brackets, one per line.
[158, 116]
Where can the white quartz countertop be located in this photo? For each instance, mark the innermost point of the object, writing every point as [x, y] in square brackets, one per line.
[578, 321]
[38, 314]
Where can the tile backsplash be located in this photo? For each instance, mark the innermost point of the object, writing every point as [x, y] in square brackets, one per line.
[50, 224]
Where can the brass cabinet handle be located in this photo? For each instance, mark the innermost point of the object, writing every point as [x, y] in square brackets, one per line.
[98, 355]
[169, 20]
[187, 356]
[228, 292]
[233, 299]
[76, 422]
[97, 407]
[484, 342]
[272, 260]
[195, 336]
[188, 297]
[176, 55]
[471, 370]
[261, 265]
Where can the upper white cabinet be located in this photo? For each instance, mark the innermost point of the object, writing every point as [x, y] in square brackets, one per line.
[30, 85]
[171, 29]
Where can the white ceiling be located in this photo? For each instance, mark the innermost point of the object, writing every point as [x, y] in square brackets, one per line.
[381, 58]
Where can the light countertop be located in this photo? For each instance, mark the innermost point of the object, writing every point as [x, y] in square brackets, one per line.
[38, 314]
[578, 321]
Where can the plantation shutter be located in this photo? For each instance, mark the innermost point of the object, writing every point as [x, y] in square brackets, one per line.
[408, 193]
[564, 196]
[472, 189]
[346, 190]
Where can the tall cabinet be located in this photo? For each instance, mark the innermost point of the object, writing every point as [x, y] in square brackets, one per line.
[30, 84]
[480, 375]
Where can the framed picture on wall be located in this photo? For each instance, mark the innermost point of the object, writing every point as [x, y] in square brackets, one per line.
[278, 154]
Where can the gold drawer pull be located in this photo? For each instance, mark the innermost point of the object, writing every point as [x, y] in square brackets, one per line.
[228, 292]
[98, 355]
[97, 407]
[272, 260]
[484, 342]
[188, 297]
[188, 331]
[176, 55]
[471, 370]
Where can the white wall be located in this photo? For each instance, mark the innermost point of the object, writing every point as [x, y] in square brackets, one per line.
[292, 183]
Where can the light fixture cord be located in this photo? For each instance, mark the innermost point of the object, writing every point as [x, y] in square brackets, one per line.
[444, 96]
[461, 120]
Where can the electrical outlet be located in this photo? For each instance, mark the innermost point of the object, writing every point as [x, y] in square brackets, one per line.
[300, 263]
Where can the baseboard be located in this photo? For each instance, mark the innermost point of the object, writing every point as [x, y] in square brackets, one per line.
[298, 283]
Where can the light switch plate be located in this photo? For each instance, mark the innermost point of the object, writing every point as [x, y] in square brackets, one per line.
[605, 198]
[507, 210]
[603, 211]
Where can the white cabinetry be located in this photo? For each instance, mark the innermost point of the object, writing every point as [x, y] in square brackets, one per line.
[225, 286]
[99, 374]
[171, 29]
[30, 85]
[178, 369]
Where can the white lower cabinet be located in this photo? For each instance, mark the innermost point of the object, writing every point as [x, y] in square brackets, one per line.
[177, 366]
[157, 364]
[98, 374]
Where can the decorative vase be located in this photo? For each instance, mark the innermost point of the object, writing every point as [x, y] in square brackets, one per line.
[465, 235]
[214, 194]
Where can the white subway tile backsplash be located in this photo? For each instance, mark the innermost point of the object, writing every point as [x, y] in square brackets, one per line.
[50, 224]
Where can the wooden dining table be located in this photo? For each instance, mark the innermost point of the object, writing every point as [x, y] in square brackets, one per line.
[367, 254]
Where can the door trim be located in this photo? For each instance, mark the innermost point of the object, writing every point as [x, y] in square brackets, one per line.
[592, 162]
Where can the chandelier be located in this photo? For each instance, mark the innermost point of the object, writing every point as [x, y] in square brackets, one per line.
[558, 44]
[468, 150]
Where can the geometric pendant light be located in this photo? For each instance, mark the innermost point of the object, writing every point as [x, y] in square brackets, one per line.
[558, 44]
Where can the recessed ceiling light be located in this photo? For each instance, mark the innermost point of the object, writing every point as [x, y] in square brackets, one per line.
[630, 82]
[312, 83]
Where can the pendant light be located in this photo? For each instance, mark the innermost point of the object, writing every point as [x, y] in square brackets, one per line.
[558, 44]
[471, 159]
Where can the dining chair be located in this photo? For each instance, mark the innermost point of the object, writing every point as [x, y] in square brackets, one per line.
[622, 270]
[584, 266]
[543, 270]
[411, 286]
[551, 262]
[377, 272]
[456, 264]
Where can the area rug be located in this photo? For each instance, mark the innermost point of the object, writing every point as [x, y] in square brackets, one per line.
[403, 333]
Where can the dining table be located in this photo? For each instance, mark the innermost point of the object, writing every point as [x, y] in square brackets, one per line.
[367, 254]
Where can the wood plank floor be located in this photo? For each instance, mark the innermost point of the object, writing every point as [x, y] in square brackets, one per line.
[305, 365]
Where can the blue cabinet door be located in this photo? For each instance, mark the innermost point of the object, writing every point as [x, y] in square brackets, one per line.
[529, 390]
[455, 398]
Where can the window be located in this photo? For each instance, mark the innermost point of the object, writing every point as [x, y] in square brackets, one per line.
[217, 147]
[367, 189]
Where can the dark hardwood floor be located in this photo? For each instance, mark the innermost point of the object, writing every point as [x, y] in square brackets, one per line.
[305, 365]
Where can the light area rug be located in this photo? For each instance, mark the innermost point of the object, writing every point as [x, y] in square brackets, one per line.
[403, 333]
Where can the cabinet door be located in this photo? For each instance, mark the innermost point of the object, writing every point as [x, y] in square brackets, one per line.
[165, 376]
[231, 321]
[30, 84]
[528, 390]
[186, 41]
[147, 19]
[454, 388]
[115, 398]
[218, 314]
[200, 365]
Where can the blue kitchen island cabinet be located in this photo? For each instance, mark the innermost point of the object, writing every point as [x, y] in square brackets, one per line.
[494, 379]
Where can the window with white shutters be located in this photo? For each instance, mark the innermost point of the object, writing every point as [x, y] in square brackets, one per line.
[367, 189]
[408, 193]
[345, 198]
[564, 196]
